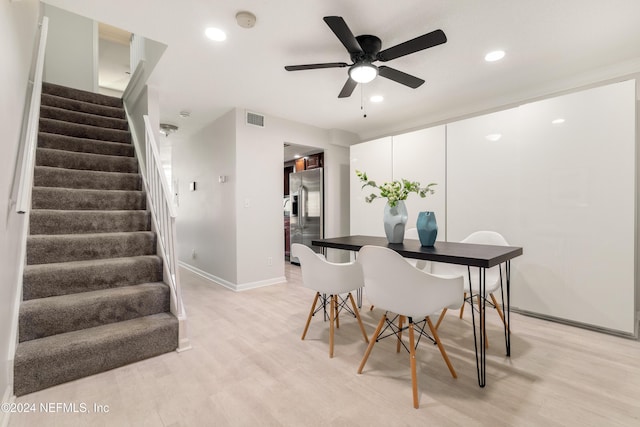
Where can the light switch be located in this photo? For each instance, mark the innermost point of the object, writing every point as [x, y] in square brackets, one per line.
[192, 186]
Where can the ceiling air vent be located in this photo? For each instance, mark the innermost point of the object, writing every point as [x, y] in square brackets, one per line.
[255, 119]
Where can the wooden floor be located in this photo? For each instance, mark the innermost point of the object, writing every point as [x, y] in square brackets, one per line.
[248, 367]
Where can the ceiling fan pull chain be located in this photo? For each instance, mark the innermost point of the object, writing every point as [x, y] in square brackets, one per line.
[362, 100]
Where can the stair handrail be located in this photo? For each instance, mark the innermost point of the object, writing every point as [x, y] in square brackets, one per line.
[163, 213]
[23, 198]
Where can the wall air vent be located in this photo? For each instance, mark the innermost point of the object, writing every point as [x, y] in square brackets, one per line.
[255, 119]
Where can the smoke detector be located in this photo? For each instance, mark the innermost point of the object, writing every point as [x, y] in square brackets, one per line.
[246, 19]
[166, 128]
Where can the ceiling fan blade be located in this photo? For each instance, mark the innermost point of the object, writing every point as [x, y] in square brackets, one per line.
[422, 42]
[400, 77]
[316, 66]
[348, 88]
[344, 34]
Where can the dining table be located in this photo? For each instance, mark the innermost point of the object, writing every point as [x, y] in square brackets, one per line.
[474, 256]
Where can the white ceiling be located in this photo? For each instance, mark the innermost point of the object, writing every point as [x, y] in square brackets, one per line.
[551, 45]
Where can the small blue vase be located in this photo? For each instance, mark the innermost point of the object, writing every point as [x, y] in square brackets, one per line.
[427, 228]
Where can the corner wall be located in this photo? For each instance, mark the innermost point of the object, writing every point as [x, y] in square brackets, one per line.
[236, 228]
[71, 50]
[18, 30]
[206, 221]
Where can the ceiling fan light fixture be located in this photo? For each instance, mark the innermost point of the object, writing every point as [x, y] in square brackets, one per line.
[166, 129]
[363, 72]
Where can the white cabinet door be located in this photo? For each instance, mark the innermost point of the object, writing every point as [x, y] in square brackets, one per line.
[374, 158]
[420, 156]
[483, 185]
[577, 201]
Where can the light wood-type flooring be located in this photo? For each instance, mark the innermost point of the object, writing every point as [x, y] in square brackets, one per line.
[248, 367]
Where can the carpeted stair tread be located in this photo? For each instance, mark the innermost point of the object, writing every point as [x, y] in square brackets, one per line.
[56, 221]
[46, 280]
[84, 145]
[82, 106]
[85, 161]
[60, 358]
[83, 131]
[45, 249]
[81, 95]
[49, 176]
[44, 317]
[83, 199]
[78, 117]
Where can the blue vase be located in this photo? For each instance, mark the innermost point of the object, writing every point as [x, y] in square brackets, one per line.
[395, 219]
[427, 228]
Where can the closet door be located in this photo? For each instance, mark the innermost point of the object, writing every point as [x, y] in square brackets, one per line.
[420, 156]
[483, 176]
[577, 198]
[374, 158]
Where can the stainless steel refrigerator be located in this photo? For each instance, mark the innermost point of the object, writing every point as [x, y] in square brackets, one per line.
[307, 208]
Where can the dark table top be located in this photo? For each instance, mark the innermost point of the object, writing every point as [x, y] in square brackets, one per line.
[449, 252]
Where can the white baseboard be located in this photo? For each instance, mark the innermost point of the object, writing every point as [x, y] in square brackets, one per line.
[232, 286]
[7, 397]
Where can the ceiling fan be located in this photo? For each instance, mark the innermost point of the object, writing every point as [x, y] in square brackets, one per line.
[365, 50]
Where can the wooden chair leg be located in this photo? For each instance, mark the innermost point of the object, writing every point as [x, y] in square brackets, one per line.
[412, 355]
[497, 306]
[355, 310]
[464, 298]
[441, 318]
[372, 341]
[400, 322]
[332, 311]
[337, 312]
[313, 308]
[434, 332]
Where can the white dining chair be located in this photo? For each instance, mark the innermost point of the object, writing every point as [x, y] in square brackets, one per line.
[333, 279]
[493, 275]
[395, 286]
[412, 233]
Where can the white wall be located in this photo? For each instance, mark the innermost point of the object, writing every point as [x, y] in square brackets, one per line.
[242, 224]
[206, 221]
[259, 176]
[71, 50]
[18, 27]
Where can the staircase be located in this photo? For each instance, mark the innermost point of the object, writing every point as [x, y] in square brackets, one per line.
[93, 296]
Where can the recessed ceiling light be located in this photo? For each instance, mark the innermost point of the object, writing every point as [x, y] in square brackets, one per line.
[376, 98]
[557, 121]
[215, 34]
[494, 136]
[496, 55]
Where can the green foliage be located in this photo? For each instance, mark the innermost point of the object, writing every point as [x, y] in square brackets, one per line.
[395, 190]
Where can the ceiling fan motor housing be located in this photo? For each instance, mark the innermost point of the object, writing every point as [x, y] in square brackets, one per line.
[370, 47]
